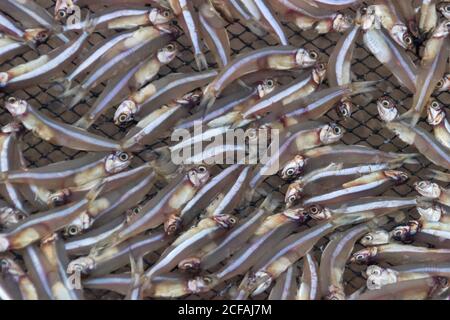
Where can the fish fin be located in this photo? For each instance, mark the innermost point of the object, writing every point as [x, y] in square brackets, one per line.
[271, 202]
[207, 102]
[411, 116]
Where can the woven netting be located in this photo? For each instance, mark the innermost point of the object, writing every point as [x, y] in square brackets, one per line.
[364, 127]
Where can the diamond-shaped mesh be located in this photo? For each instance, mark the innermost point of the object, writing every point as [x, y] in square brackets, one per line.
[364, 126]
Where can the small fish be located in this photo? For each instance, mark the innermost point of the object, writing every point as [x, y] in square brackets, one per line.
[276, 58]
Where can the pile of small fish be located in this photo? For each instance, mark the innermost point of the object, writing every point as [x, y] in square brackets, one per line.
[93, 223]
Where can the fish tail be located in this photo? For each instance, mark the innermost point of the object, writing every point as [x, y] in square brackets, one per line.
[90, 25]
[83, 123]
[62, 84]
[364, 86]
[78, 96]
[208, 100]
[410, 158]
[200, 61]
[95, 191]
[437, 175]
[411, 116]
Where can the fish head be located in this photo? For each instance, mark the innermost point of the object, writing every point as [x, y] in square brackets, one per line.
[428, 189]
[444, 83]
[293, 194]
[82, 264]
[202, 284]
[168, 29]
[5, 264]
[342, 22]
[402, 36]
[117, 162]
[318, 212]
[259, 283]
[405, 233]
[331, 133]
[319, 72]
[17, 107]
[306, 58]
[125, 112]
[63, 9]
[168, 53]
[444, 8]
[345, 108]
[335, 293]
[59, 198]
[364, 255]
[266, 87]
[11, 127]
[4, 78]
[373, 270]
[77, 226]
[368, 18]
[435, 113]
[442, 30]
[387, 108]
[375, 238]
[160, 16]
[431, 212]
[172, 225]
[191, 98]
[198, 176]
[10, 217]
[397, 176]
[299, 214]
[225, 221]
[376, 281]
[293, 168]
[38, 35]
[190, 264]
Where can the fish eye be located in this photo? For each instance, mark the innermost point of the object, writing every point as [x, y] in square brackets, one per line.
[170, 47]
[166, 13]
[337, 130]
[12, 100]
[73, 230]
[202, 169]
[290, 171]
[435, 104]
[4, 264]
[232, 220]
[368, 237]
[123, 117]
[314, 210]
[360, 257]
[136, 210]
[385, 103]
[123, 156]
[447, 8]
[398, 233]
[440, 83]
[207, 280]
[313, 54]
[292, 198]
[408, 40]
[62, 13]
[270, 83]
[21, 216]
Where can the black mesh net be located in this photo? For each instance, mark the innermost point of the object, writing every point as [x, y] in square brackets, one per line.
[363, 127]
